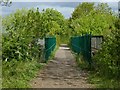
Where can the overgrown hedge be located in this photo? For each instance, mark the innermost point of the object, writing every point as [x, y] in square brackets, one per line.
[20, 51]
[109, 57]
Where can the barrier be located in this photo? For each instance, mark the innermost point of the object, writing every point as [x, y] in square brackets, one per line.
[50, 44]
[82, 44]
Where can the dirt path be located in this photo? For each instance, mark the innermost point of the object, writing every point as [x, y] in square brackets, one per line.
[62, 72]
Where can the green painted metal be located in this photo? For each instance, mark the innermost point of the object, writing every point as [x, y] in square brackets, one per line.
[82, 44]
[75, 44]
[50, 44]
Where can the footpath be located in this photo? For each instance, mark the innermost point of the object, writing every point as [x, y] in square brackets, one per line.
[62, 72]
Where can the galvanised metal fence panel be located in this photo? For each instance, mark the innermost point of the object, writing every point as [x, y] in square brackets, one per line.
[50, 44]
[96, 42]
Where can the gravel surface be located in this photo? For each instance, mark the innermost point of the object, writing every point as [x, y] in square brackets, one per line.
[62, 72]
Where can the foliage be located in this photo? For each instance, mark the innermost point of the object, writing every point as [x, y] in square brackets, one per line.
[53, 24]
[82, 10]
[20, 51]
[18, 74]
[98, 20]
[103, 82]
[108, 57]
[21, 30]
[18, 41]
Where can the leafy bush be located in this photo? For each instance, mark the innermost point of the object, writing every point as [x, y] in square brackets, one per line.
[98, 19]
[18, 41]
[108, 57]
[23, 28]
[20, 50]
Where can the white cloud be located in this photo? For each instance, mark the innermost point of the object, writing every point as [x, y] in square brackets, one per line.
[114, 6]
[65, 8]
[66, 11]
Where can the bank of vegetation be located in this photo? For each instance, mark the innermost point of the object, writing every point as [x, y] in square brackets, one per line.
[100, 20]
[21, 30]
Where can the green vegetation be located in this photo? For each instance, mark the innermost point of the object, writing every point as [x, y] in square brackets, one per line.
[17, 74]
[99, 20]
[96, 20]
[82, 10]
[108, 57]
[21, 53]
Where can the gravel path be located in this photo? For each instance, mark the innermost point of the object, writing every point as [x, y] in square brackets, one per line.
[62, 72]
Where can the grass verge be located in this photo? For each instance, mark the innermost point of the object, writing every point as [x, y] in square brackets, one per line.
[94, 77]
[102, 81]
[17, 74]
[81, 62]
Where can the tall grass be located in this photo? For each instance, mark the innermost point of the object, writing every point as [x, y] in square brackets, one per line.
[17, 74]
[94, 76]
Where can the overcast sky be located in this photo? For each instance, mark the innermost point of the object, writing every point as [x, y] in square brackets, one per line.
[66, 8]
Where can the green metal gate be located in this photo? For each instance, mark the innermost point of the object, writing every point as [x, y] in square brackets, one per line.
[50, 44]
[82, 44]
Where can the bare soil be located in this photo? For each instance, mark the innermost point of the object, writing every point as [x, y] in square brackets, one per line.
[62, 72]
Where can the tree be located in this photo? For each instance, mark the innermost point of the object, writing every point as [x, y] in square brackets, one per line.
[22, 30]
[24, 27]
[50, 18]
[103, 8]
[99, 21]
[82, 9]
